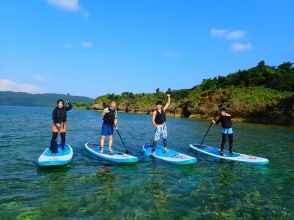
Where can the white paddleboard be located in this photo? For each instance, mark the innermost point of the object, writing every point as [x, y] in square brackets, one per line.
[63, 157]
[215, 152]
[170, 156]
[116, 156]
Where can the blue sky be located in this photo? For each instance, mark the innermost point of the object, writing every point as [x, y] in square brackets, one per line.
[110, 46]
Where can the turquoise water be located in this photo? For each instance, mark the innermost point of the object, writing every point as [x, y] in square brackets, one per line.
[151, 189]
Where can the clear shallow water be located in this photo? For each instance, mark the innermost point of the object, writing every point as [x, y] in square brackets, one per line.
[150, 189]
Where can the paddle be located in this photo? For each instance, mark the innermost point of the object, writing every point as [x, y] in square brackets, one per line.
[122, 140]
[64, 110]
[219, 107]
[152, 139]
[67, 100]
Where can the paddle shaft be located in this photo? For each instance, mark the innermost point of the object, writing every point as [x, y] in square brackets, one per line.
[152, 139]
[206, 134]
[210, 125]
[122, 140]
[65, 103]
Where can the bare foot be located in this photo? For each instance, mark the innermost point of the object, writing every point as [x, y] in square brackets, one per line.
[165, 150]
[110, 151]
[101, 150]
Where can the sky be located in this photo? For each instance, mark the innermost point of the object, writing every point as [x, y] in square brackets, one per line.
[90, 48]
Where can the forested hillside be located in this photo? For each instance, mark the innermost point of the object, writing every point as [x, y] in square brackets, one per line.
[263, 94]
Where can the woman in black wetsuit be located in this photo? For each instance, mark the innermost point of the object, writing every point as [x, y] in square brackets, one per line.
[59, 124]
[227, 130]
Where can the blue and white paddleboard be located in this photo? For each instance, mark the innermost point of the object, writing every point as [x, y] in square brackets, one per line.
[61, 158]
[170, 156]
[215, 152]
[116, 156]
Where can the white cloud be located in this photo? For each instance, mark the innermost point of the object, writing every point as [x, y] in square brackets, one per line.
[172, 54]
[239, 47]
[86, 44]
[8, 85]
[41, 78]
[67, 45]
[69, 5]
[228, 34]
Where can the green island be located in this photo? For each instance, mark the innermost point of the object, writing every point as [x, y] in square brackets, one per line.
[262, 94]
[38, 100]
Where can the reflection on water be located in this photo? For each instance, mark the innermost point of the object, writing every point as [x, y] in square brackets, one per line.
[209, 189]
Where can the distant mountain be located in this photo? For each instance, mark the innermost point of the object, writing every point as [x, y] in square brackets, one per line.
[40, 100]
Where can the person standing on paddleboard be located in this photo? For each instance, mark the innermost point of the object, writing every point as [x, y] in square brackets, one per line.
[159, 121]
[109, 123]
[59, 124]
[227, 130]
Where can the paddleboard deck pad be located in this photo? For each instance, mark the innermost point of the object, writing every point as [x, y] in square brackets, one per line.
[116, 156]
[63, 157]
[215, 152]
[170, 156]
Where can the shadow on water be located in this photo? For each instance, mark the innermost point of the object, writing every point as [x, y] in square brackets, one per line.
[53, 169]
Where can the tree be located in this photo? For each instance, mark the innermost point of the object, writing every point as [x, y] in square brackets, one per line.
[131, 95]
[208, 84]
[157, 90]
[125, 94]
[221, 81]
[111, 96]
[169, 91]
[261, 65]
[285, 66]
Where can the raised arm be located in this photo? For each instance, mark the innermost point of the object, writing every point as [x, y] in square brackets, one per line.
[69, 107]
[168, 103]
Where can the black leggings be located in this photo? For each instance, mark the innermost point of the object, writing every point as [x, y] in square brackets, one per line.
[224, 139]
[62, 135]
[53, 143]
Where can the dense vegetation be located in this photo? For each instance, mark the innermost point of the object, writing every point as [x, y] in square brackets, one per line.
[280, 78]
[41, 100]
[263, 93]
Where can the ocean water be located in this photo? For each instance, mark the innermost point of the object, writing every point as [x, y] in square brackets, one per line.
[150, 189]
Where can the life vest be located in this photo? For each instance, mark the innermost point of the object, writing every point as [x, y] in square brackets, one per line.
[160, 117]
[110, 116]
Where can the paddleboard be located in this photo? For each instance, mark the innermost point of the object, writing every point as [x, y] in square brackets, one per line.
[170, 156]
[215, 152]
[61, 158]
[116, 157]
